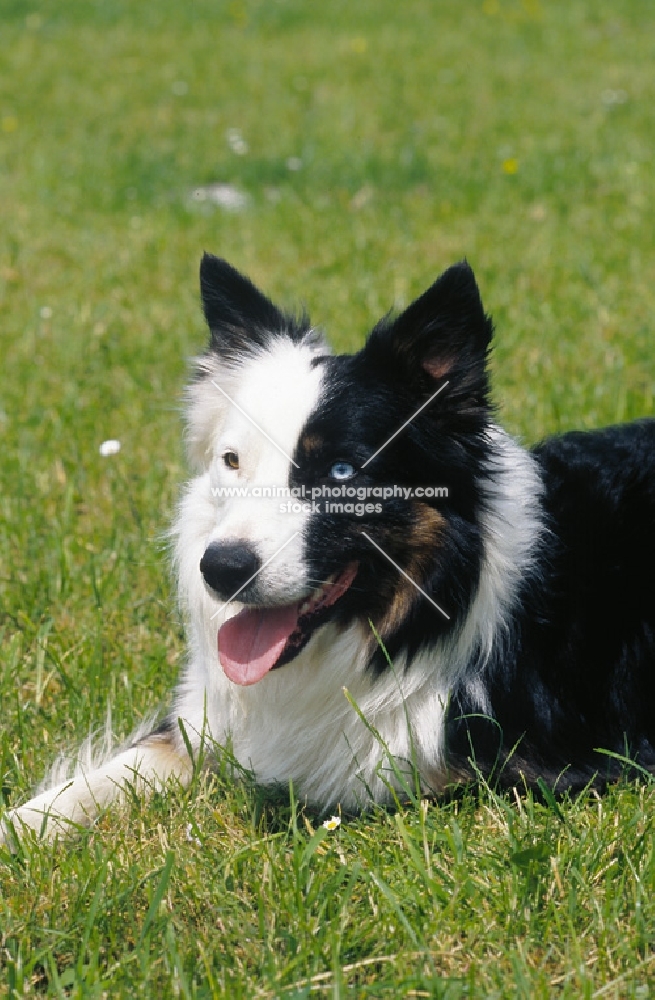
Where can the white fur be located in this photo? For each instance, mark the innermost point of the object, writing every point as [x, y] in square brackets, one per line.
[297, 723]
[77, 801]
[277, 389]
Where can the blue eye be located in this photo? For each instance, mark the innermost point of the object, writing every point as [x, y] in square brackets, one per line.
[342, 470]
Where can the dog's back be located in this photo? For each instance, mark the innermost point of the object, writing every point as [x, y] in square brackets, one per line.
[580, 675]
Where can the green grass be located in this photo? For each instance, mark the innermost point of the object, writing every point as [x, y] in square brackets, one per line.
[519, 134]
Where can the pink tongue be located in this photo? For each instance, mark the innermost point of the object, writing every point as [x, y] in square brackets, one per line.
[251, 643]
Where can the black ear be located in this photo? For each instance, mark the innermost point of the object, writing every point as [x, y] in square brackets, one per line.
[240, 317]
[444, 334]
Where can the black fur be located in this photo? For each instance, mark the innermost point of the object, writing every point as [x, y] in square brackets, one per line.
[580, 677]
[241, 319]
[578, 673]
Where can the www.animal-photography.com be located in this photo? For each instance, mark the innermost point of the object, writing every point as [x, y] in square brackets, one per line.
[327, 520]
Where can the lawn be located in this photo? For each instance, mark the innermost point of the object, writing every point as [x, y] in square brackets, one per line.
[362, 147]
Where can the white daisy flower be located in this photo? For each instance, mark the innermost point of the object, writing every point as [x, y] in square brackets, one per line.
[190, 835]
[110, 447]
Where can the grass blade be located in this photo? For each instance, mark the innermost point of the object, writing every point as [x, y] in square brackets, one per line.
[162, 886]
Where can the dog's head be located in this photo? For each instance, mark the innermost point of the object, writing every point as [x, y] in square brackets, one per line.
[343, 486]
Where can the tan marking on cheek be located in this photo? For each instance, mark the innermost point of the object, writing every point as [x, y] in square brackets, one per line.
[419, 550]
[401, 602]
[426, 531]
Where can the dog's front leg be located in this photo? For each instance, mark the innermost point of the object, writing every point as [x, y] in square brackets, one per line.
[145, 766]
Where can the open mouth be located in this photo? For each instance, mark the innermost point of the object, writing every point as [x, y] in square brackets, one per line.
[260, 639]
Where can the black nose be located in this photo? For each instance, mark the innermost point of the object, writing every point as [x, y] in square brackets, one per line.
[227, 566]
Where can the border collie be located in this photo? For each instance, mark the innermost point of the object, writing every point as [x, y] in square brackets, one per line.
[373, 571]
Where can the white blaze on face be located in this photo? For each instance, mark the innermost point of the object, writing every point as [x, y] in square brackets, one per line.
[278, 390]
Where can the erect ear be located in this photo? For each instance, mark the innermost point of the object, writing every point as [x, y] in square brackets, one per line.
[240, 317]
[444, 334]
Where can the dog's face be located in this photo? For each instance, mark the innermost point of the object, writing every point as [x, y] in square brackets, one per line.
[301, 450]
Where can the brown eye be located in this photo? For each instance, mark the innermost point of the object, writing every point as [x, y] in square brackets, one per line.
[231, 459]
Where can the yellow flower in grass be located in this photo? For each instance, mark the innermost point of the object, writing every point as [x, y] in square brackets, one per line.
[511, 165]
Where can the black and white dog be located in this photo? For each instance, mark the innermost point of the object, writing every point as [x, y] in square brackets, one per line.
[371, 567]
